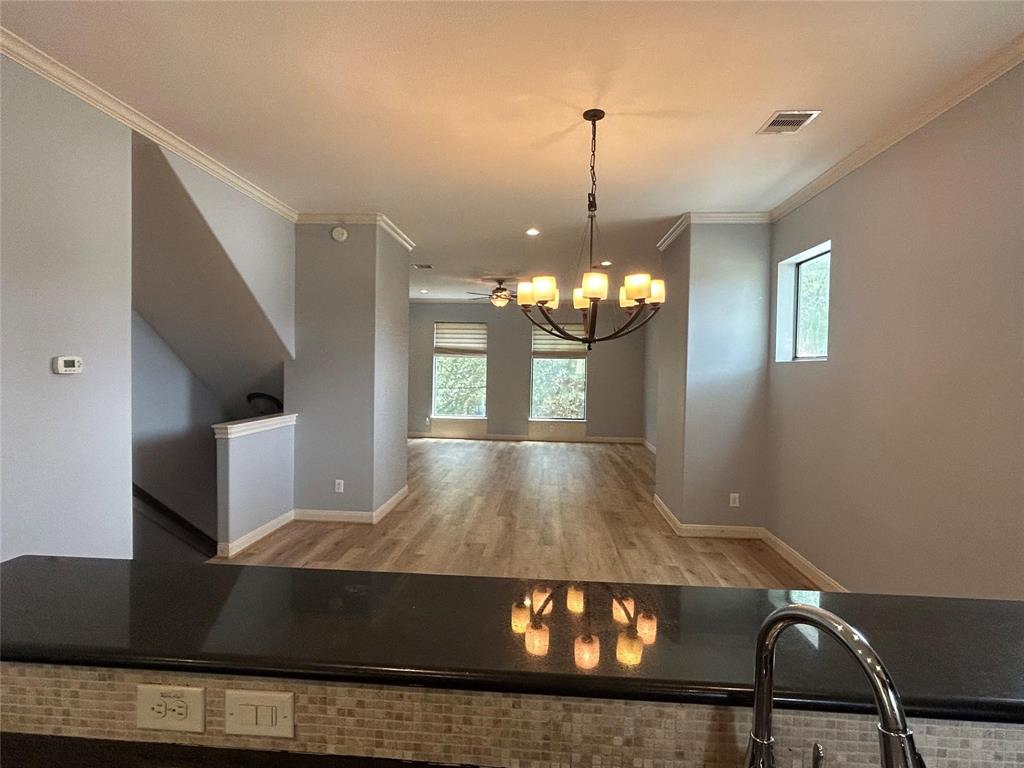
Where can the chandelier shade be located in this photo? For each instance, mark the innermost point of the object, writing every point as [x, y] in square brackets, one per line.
[640, 295]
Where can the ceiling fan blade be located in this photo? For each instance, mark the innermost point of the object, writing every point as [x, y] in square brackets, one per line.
[477, 293]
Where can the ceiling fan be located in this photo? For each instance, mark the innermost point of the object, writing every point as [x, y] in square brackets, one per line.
[499, 296]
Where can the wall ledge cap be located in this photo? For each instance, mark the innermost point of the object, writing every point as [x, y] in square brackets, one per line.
[242, 427]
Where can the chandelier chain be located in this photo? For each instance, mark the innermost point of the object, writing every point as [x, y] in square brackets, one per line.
[593, 166]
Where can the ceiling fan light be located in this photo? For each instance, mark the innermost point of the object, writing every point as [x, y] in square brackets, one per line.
[544, 288]
[499, 299]
[578, 299]
[595, 285]
[638, 286]
[623, 301]
[524, 295]
[657, 292]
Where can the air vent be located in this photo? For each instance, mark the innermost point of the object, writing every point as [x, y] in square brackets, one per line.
[422, 266]
[789, 120]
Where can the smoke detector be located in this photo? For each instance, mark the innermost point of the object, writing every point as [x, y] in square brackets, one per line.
[789, 120]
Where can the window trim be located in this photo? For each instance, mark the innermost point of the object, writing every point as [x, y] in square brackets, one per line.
[786, 303]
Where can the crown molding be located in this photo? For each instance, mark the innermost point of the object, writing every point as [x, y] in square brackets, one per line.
[674, 231]
[30, 57]
[993, 68]
[754, 217]
[358, 218]
[725, 217]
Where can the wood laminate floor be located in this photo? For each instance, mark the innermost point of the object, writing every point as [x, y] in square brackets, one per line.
[527, 510]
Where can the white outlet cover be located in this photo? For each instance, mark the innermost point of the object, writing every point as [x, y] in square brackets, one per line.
[170, 708]
[339, 486]
[734, 499]
[259, 713]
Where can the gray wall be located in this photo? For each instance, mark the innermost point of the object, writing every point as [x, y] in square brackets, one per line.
[347, 376]
[391, 369]
[615, 370]
[651, 346]
[188, 286]
[671, 339]
[330, 382]
[66, 289]
[259, 242]
[255, 480]
[899, 462]
[174, 456]
[726, 375]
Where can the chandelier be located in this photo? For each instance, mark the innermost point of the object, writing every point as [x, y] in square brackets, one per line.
[639, 295]
[637, 624]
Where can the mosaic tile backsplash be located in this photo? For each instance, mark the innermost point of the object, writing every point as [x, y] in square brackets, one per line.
[488, 729]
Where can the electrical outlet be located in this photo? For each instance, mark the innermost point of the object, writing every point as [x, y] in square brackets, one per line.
[170, 708]
[426, 422]
[734, 499]
[339, 486]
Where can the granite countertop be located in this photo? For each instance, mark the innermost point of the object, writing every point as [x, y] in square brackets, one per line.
[951, 658]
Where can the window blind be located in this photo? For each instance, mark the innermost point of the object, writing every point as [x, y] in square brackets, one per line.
[546, 345]
[460, 338]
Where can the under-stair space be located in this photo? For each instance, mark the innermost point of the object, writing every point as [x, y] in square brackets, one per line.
[212, 322]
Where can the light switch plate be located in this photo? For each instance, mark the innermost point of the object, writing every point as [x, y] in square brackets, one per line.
[259, 713]
[170, 708]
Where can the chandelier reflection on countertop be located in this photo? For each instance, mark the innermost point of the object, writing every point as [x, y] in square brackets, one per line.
[533, 613]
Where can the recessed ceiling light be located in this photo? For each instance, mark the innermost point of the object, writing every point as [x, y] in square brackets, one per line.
[424, 290]
[532, 232]
[606, 263]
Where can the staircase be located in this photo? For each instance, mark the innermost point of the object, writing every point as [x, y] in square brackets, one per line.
[160, 533]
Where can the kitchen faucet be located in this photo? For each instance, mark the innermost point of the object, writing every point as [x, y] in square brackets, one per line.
[895, 738]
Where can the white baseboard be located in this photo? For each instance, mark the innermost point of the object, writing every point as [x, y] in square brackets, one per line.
[805, 567]
[380, 512]
[671, 519]
[798, 562]
[527, 439]
[650, 447]
[351, 516]
[432, 436]
[232, 548]
[694, 530]
[334, 516]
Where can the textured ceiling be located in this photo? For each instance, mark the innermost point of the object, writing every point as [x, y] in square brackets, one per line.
[461, 121]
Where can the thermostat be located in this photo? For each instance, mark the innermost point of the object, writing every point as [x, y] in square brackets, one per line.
[67, 364]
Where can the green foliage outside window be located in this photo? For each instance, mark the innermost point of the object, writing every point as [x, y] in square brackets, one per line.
[559, 388]
[812, 307]
[460, 385]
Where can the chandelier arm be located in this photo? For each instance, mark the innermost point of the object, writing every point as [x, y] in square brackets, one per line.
[628, 327]
[558, 329]
[622, 329]
[544, 327]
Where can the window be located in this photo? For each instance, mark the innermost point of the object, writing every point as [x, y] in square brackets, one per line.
[803, 300]
[460, 370]
[558, 388]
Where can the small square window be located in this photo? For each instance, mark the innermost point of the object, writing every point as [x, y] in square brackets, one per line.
[802, 308]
